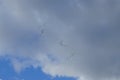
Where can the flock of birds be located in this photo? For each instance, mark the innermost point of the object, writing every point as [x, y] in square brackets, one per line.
[61, 43]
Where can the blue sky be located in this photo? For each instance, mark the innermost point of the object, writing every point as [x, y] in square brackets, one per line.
[60, 39]
[7, 72]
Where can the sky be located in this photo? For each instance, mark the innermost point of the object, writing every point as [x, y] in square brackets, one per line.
[59, 40]
[7, 72]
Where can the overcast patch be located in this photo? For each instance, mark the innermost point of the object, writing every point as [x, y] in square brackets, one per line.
[76, 38]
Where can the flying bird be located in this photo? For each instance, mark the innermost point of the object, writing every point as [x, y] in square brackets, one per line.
[62, 43]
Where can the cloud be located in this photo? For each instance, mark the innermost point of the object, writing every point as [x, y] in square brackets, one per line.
[77, 38]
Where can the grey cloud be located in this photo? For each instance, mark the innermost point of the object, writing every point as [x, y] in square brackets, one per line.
[77, 38]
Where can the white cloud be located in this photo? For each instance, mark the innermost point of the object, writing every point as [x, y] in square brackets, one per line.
[77, 38]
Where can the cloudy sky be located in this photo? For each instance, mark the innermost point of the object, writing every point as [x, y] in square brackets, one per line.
[59, 40]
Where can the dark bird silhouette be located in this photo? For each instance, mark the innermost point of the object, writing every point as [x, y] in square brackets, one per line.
[62, 43]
